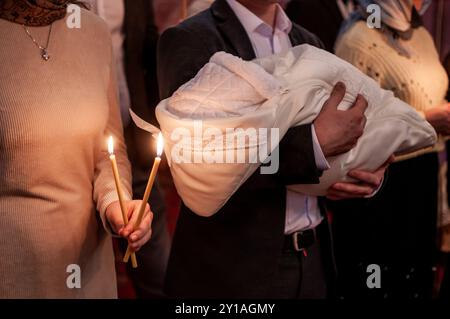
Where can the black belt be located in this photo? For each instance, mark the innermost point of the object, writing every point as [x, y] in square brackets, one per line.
[300, 241]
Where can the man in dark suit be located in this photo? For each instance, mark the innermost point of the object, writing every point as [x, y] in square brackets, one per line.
[249, 249]
[135, 37]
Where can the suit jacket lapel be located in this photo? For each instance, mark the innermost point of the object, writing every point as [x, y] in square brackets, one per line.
[295, 36]
[233, 31]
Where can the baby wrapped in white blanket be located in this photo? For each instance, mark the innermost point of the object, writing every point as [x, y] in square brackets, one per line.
[279, 91]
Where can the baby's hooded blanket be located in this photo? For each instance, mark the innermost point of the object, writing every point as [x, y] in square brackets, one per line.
[223, 123]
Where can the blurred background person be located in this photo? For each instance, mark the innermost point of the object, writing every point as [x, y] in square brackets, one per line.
[321, 17]
[445, 222]
[58, 105]
[397, 228]
[197, 6]
[134, 37]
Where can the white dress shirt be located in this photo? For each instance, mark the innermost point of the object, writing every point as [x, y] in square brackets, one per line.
[113, 13]
[302, 211]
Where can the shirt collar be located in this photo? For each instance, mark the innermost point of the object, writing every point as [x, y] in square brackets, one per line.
[253, 23]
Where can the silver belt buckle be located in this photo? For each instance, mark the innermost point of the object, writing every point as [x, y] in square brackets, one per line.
[295, 241]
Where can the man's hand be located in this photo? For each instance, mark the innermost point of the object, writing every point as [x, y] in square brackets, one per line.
[367, 184]
[439, 118]
[136, 238]
[339, 131]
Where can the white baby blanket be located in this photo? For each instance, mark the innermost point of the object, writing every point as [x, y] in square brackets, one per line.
[279, 91]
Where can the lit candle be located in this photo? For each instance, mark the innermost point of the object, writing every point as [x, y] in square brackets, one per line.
[148, 189]
[112, 157]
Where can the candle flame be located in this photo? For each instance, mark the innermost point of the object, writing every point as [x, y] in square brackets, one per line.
[111, 145]
[160, 145]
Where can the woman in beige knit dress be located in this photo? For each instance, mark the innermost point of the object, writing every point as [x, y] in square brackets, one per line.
[397, 228]
[57, 107]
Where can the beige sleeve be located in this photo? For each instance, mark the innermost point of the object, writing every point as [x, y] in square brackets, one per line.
[104, 186]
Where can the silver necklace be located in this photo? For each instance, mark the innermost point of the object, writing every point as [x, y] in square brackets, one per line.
[44, 50]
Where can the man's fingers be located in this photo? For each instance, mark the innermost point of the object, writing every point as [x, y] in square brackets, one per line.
[336, 97]
[360, 105]
[366, 177]
[353, 189]
[363, 123]
[380, 171]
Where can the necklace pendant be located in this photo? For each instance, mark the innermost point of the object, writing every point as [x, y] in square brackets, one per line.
[44, 54]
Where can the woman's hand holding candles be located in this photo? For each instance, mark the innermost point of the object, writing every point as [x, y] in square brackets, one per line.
[136, 237]
[148, 190]
[121, 226]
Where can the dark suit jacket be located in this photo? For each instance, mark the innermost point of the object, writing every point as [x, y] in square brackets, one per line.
[141, 38]
[140, 56]
[234, 253]
[322, 17]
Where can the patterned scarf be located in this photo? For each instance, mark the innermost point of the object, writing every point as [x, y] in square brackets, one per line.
[33, 12]
[396, 14]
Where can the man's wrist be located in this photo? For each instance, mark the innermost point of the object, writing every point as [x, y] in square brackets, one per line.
[321, 162]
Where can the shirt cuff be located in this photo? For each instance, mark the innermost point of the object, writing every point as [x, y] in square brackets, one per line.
[321, 162]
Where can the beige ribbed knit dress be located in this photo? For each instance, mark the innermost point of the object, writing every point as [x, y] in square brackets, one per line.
[54, 170]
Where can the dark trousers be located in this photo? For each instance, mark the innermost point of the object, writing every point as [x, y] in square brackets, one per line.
[445, 285]
[444, 292]
[395, 230]
[300, 275]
